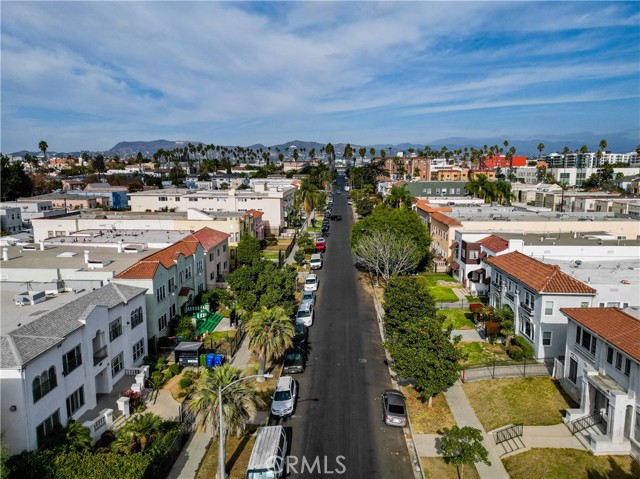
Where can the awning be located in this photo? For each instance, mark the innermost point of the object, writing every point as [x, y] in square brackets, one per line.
[476, 273]
[483, 255]
[454, 245]
[454, 266]
[184, 291]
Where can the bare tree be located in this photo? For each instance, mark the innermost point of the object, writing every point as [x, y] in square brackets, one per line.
[386, 254]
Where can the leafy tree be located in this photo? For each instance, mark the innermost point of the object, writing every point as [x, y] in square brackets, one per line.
[248, 249]
[540, 149]
[364, 207]
[270, 333]
[186, 329]
[462, 446]
[399, 196]
[387, 253]
[98, 164]
[76, 437]
[15, 183]
[299, 256]
[305, 243]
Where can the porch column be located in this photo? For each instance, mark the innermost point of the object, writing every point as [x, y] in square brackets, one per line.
[617, 413]
[585, 400]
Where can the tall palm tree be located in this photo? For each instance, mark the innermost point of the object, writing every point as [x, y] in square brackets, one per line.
[540, 149]
[399, 196]
[240, 401]
[270, 334]
[308, 195]
[42, 146]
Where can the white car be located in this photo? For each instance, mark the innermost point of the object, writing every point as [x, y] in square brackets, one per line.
[305, 315]
[284, 398]
[350, 202]
[308, 297]
[311, 283]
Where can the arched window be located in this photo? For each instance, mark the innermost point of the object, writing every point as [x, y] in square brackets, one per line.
[53, 380]
[36, 389]
[44, 383]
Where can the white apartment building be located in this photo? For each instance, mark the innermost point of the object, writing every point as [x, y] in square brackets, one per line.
[30, 210]
[53, 368]
[10, 219]
[276, 202]
[601, 372]
[535, 292]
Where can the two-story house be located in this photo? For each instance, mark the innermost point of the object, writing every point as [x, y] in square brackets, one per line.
[470, 249]
[55, 367]
[535, 292]
[602, 373]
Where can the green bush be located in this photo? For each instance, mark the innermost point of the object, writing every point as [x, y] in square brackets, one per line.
[157, 378]
[527, 349]
[185, 382]
[515, 353]
[160, 364]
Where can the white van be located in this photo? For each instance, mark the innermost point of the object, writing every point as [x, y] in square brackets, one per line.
[316, 261]
[269, 454]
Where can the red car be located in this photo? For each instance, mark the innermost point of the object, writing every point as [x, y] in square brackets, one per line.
[321, 247]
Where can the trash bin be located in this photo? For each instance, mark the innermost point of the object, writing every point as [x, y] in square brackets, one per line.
[218, 359]
[210, 360]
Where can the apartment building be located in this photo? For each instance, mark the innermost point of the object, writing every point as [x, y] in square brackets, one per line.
[31, 210]
[412, 167]
[536, 292]
[57, 362]
[10, 219]
[276, 202]
[601, 372]
[470, 251]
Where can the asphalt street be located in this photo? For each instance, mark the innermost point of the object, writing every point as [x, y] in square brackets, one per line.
[337, 429]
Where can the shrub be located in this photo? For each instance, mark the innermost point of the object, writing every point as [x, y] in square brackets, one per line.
[527, 349]
[157, 378]
[515, 353]
[185, 382]
[161, 363]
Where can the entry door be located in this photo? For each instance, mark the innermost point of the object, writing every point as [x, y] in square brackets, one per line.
[600, 402]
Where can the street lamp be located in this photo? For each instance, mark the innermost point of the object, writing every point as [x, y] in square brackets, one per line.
[222, 473]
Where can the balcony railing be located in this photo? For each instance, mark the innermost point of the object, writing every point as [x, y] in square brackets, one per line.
[99, 355]
[526, 308]
[496, 286]
[509, 296]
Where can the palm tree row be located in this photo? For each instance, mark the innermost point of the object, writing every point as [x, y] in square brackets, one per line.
[490, 191]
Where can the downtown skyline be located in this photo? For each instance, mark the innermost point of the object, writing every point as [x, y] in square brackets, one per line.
[87, 75]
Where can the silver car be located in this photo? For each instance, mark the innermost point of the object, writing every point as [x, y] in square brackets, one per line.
[394, 409]
[284, 398]
[308, 297]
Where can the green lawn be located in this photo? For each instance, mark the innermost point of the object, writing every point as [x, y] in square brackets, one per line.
[457, 318]
[441, 294]
[270, 254]
[569, 463]
[483, 352]
[533, 401]
[433, 278]
[425, 419]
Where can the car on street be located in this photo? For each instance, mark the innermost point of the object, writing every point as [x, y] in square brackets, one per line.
[294, 360]
[316, 259]
[394, 409]
[327, 214]
[325, 227]
[309, 297]
[321, 247]
[336, 217]
[305, 315]
[311, 282]
[350, 202]
[300, 334]
[321, 239]
[284, 397]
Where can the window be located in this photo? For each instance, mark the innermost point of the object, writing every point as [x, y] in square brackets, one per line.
[71, 360]
[193, 199]
[618, 361]
[47, 427]
[187, 273]
[44, 383]
[199, 266]
[627, 366]
[161, 293]
[224, 248]
[162, 198]
[117, 365]
[162, 322]
[613, 304]
[171, 284]
[115, 329]
[546, 338]
[75, 401]
[136, 317]
[210, 256]
[548, 308]
[172, 311]
[610, 355]
[526, 328]
[138, 350]
[586, 340]
[177, 198]
[212, 275]
[584, 304]
[573, 370]
[528, 299]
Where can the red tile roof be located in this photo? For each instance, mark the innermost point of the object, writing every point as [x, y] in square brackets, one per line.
[494, 243]
[442, 218]
[422, 205]
[542, 277]
[612, 324]
[255, 213]
[210, 238]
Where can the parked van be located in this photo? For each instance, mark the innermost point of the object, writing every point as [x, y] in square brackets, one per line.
[269, 454]
[316, 261]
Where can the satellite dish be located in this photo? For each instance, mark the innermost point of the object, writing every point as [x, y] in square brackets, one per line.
[578, 263]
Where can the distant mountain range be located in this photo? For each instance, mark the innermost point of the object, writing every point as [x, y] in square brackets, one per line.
[618, 143]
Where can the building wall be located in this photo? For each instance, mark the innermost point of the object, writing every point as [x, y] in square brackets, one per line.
[11, 219]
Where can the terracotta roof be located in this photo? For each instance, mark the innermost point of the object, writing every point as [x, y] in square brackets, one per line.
[454, 266]
[542, 277]
[612, 324]
[210, 238]
[442, 218]
[255, 213]
[494, 243]
[421, 205]
[142, 269]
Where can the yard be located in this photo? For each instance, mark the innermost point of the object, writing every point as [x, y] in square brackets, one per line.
[478, 353]
[569, 463]
[440, 286]
[457, 318]
[425, 419]
[238, 451]
[436, 468]
[533, 401]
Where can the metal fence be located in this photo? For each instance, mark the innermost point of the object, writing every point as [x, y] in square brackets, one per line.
[505, 369]
[461, 304]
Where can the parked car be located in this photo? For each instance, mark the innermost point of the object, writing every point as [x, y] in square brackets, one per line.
[325, 227]
[336, 217]
[320, 247]
[321, 239]
[350, 202]
[284, 398]
[309, 297]
[300, 334]
[327, 213]
[316, 258]
[294, 360]
[311, 283]
[269, 454]
[305, 315]
[394, 409]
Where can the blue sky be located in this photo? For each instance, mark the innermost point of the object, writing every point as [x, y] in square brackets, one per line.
[86, 75]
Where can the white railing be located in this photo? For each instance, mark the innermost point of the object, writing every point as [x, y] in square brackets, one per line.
[100, 424]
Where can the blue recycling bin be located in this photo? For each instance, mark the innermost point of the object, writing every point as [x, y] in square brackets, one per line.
[218, 359]
[210, 360]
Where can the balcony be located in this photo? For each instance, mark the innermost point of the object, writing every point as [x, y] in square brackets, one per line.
[526, 312]
[99, 355]
[496, 286]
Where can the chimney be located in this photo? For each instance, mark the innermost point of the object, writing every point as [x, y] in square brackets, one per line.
[120, 246]
[86, 256]
[41, 245]
[5, 254]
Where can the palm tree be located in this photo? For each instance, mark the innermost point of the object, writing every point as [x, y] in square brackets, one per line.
[138, 433]
[77, 437]
[308, 195]
[42, 146]
[270, 334]
[540, 149]
[399, 196]
[240, 401]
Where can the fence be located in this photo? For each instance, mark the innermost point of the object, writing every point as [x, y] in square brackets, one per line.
[161, 466]
[504, 369]
[585, 422]
[462, 304]
[508, 433]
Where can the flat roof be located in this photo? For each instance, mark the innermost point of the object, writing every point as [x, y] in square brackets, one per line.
[112, 237]
[595, 238]
[624, 272]
[515, 213]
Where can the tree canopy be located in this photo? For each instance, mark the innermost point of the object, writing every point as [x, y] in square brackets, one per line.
[248, 249]
[463, 446]
[15, 181]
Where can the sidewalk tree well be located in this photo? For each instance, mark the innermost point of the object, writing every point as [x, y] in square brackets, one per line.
[270, 333]
[240, 401]
[248, 249]
[461, 446]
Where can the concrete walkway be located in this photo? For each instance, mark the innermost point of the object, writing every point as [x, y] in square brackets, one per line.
[468, 335]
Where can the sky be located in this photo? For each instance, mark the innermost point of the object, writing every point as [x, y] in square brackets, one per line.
[87, 75]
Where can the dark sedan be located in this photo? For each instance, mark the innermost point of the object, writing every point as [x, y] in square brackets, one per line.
[294, 361]
[336, 217]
